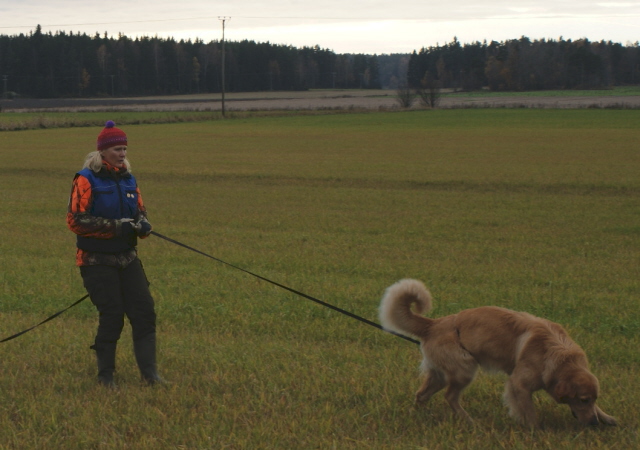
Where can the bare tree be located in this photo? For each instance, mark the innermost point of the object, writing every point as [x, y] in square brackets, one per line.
[405, 96]
[429, 91]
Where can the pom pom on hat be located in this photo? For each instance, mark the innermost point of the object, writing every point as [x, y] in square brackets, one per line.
[111, 136]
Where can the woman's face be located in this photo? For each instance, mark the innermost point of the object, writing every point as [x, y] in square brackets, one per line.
[115, 155]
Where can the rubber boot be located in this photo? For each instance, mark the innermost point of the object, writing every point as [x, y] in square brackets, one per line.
[106, 358]
[145, 352]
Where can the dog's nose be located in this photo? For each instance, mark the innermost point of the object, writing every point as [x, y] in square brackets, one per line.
[593, 422]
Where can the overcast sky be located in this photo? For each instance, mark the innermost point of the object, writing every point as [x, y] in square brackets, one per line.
[345, 26]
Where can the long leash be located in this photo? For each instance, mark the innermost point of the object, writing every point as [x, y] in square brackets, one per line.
[294, 291]
[45, 320]
[301, 294]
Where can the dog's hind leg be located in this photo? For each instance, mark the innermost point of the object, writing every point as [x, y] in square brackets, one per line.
[452, 395]
[433, 382]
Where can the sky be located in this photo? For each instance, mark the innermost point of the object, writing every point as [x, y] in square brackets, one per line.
[344, 26]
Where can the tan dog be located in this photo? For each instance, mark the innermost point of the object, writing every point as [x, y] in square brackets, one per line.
[536, 354]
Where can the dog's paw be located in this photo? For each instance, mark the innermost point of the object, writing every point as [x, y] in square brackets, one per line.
[608, 420]
[420, 399]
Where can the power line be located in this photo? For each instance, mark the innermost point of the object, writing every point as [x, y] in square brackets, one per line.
[202, 18]
[358, 19]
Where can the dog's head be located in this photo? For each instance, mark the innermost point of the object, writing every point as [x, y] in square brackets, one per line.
[579, 389]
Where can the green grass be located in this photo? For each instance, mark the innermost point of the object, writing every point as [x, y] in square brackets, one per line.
[533, 210]
[18, 121]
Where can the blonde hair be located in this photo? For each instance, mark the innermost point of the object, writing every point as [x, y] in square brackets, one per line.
[93, 161]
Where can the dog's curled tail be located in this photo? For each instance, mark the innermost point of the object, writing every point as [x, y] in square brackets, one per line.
[395, 308]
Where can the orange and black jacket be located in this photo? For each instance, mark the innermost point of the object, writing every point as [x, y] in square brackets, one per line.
[98, 201]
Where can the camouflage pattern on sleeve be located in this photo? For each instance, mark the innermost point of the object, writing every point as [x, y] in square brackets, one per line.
[78, 218]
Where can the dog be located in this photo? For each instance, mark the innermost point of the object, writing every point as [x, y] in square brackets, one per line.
[536, 354]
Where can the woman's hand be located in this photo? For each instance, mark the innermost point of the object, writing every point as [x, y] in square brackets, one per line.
[127, 227]
[142, 228]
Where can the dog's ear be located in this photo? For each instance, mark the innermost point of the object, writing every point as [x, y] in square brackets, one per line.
[564, 391]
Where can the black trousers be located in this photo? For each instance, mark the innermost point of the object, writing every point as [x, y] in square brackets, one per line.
[118, 292]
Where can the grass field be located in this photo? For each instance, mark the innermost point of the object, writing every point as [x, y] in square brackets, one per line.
[533, 210]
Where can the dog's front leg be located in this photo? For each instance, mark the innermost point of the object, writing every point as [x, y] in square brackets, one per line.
[520, 402]
[606, 418]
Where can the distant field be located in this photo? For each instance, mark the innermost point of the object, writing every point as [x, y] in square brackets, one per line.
[530, 209]
[319, 101]
[617, 91]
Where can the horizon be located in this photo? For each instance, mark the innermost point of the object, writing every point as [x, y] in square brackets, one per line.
[371, 28]
[453, 38]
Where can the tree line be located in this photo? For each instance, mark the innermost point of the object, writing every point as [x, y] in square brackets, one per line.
[523, 64]
[47, 65]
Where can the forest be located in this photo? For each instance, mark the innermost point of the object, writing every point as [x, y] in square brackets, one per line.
[61, 64]
[526, 65]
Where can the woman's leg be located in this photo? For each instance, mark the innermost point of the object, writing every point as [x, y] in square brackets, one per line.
[140, 309]
[103, 285]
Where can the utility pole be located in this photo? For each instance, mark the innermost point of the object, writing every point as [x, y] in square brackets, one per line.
[223, 20]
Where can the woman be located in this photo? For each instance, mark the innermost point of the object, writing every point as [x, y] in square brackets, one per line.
[107, 214]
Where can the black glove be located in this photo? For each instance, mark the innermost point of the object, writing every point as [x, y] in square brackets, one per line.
[127, 227]
[142, 228]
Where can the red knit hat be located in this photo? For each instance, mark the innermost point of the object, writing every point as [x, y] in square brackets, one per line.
[111, 136]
